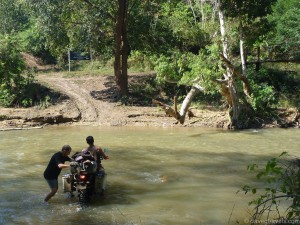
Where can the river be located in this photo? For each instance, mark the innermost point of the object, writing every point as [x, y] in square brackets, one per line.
[156, 176]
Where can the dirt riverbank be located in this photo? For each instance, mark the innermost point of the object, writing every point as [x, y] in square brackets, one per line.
[92, 101]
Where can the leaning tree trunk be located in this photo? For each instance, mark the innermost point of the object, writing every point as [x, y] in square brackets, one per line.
[187, 102]
[181, 115]
[121, 50]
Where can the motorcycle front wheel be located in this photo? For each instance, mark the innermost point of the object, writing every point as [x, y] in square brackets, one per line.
[83, 197]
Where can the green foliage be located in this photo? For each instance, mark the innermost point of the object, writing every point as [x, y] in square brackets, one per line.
[204, 68]
[279, 181]
[148, 30]
[189, 69]
[45, 103]
[248, 9]
[262, 98]
[14, 81]
[6, 97]
[11, 61]
[21, 94]
[50, 24]
[185, 28]
[13, 16]
[34, 42]
[263, 95]
[90, 68]
[139, 61]
[180, 70]
[76, 25]
[270, 87]
[169, 68]
[286, 36]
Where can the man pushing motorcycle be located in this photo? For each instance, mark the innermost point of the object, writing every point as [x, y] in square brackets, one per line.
[55, 165]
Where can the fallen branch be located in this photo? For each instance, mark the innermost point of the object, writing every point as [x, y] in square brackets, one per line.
[174, 112]
[168, 109]
[20, 128]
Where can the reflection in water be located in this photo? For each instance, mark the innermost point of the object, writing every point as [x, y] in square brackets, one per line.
[155, 175]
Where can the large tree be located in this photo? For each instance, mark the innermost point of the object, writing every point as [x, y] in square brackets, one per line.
[99, 25]
[231, 15]
[121, 49]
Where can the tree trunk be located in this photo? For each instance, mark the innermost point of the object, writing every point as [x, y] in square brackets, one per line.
[192, 8]
[257, 64]
[181, 115]
[234, 110]
[121, 50]
[187, 102]
[202, 13]
[124, 82]
[238, 113]
[242, 50]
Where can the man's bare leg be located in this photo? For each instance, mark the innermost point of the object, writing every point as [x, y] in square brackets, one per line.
[51, 194]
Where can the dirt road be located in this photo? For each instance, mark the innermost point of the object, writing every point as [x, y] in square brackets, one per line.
[91, 100]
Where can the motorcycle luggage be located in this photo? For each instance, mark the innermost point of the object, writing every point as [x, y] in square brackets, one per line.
[67, 182]
[100, 181]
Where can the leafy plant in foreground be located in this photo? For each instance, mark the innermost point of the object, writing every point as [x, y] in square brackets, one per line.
[278, 191]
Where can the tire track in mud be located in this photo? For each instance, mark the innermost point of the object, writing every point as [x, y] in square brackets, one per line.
[102, 111]
[80, 96]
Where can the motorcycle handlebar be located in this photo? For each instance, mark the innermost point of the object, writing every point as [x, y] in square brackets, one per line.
[73, 163]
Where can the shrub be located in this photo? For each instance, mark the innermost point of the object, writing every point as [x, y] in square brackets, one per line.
[264, 94]
[278, 190]
[11, 61]
[14, 81]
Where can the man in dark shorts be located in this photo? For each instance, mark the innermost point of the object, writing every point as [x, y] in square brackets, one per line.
[56, 164]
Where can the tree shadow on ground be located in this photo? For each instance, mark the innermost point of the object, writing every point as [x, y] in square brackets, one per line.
[39, 95]
[141, 91]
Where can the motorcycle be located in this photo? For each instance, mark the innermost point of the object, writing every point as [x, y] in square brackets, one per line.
[85, 178]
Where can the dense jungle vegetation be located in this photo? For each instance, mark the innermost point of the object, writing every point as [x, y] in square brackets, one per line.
[238, 54]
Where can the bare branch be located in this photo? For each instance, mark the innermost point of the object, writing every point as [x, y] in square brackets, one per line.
[170, 81]
[247, 89]
[279, 196]
[275, 61]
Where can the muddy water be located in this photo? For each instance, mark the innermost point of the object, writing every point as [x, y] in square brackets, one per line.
[155, 175]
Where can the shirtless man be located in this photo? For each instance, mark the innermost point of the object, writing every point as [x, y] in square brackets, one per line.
[96, 151]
